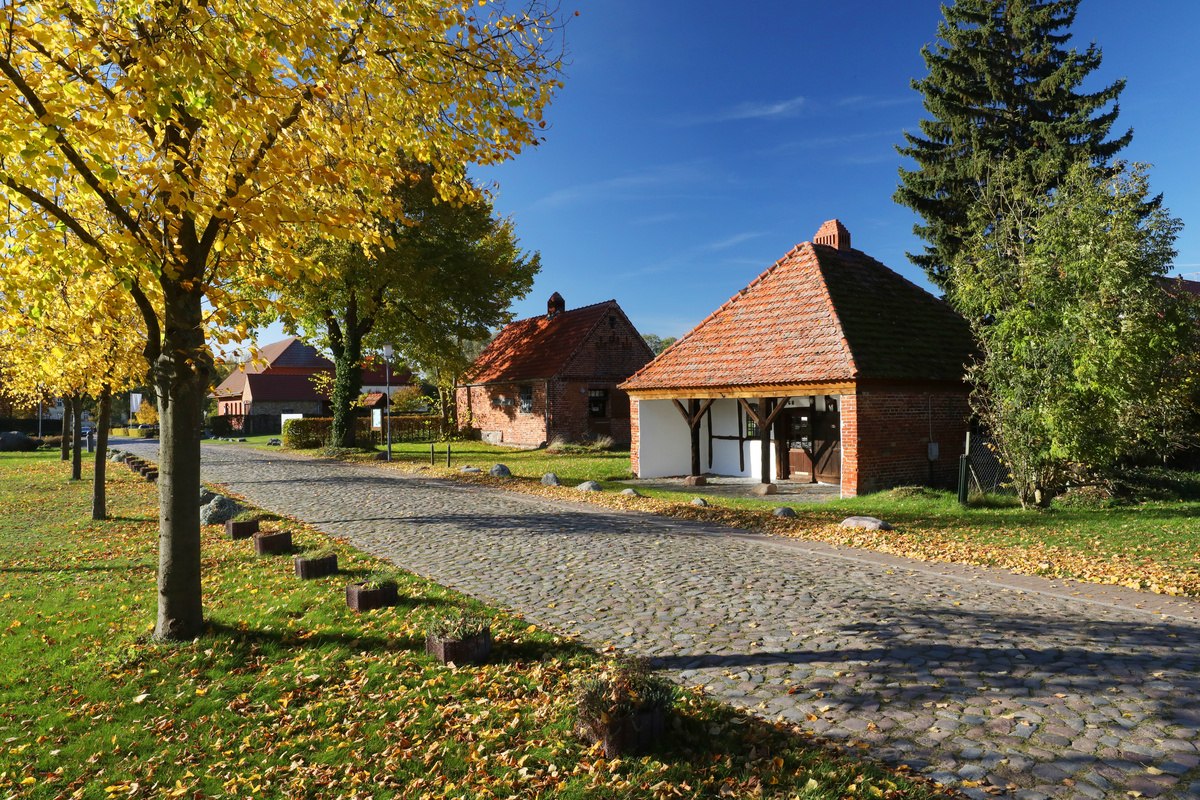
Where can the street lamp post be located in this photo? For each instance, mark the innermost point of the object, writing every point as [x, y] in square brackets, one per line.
[387, 398]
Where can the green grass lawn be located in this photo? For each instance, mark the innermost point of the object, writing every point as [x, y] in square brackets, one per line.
[290, 694]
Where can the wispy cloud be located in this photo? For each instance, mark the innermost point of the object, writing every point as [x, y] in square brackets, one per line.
[728, 242]
[866, 102]
[657, 219]
[621, 185]
[823, 142]
[777, 109]
[690, 254]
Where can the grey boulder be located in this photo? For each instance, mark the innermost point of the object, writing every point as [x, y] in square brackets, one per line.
[15, 442]
[631, 492]
[866, 523]
[588, 486]
[550, 479]
[783, 511]
[699, 502]
[219, 510]
[500, 471]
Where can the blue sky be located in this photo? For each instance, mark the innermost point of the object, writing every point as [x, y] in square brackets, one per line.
[695, 142]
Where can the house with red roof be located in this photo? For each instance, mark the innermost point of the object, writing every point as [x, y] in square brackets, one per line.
[279, 380]
[829, 367]
[554, 376]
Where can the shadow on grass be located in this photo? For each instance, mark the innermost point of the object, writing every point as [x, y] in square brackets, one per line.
[248, 639]
[108, 567]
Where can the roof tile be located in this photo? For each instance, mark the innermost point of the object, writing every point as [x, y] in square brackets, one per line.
[820, 314]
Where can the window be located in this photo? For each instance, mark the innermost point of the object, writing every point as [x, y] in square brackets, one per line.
[598, 402]
[527, 399]
[751, 425]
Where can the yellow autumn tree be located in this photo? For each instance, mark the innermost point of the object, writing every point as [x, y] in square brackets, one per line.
[185, 148]
[77, 341]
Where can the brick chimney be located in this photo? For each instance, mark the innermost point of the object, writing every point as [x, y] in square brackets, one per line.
[834, 234]
[555, 305]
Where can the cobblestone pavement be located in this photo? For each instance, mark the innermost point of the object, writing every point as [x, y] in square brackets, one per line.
[972, 676]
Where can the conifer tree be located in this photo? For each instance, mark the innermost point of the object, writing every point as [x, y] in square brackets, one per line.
[1003, 85]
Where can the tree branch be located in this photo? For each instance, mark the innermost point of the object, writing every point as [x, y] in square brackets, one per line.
[58, 212]
[90, 178]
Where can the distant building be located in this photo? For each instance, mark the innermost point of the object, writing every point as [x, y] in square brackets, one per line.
[280, 381]
[554, 376]
[829, 367]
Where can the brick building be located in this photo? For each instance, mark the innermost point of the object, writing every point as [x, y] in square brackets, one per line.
[279, 381]
[554, 376]
[829, 367]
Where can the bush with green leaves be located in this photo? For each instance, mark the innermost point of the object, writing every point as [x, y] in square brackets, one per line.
[459, 625]
[621, 688]
[1086, 361]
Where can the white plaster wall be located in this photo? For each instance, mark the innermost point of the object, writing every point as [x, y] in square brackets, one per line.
[664, 443]
[664, 446]
[725, 452]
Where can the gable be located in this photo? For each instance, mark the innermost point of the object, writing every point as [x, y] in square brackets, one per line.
[824, 313]
[537, 348]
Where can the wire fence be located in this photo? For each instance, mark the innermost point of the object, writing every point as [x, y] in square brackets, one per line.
[984, 472]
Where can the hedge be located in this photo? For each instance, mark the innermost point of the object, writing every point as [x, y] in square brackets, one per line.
[312, 432]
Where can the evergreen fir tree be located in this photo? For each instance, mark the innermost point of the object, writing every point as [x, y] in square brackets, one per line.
[1003, 86]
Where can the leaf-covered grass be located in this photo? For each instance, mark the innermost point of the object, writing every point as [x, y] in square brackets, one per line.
[290, 694]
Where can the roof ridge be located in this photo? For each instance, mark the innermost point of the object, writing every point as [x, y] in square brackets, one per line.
[762, 275]
[831, 307]
[559, 314]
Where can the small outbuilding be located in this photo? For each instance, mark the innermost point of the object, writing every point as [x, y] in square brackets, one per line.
[554, 376]
[829, 367]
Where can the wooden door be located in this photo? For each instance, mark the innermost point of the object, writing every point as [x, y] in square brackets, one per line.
[827, 443]
[798, 434]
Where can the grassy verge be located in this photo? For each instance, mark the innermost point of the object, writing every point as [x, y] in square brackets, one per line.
[291, 694]
[1149, 545]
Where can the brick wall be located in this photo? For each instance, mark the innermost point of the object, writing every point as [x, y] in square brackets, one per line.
[886, 433]
[480, 407]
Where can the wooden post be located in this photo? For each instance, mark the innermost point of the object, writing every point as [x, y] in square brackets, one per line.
[447, 455]
[694, 412]
[764, 436]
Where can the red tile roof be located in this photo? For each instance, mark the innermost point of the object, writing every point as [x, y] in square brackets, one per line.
[283, 388]
[291, 352]
[821, 314]
[299, 360]
[1177, 286]
[537, 347]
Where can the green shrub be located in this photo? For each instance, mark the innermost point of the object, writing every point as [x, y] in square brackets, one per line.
[312, 432]
[459, 625]
[623, 687]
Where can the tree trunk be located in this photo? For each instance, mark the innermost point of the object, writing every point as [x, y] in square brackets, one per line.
[99, 498]
[181, 374]
[76, 440]
[347, 385]
[65, 447]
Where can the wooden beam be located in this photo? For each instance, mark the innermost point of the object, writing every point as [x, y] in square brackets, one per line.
[750, 392]
[693, 416]
[764, 437]
[695, 435]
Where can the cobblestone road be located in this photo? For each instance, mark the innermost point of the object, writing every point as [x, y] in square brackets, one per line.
[968, 675]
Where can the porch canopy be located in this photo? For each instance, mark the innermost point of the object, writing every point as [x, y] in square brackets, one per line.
[781, 363]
